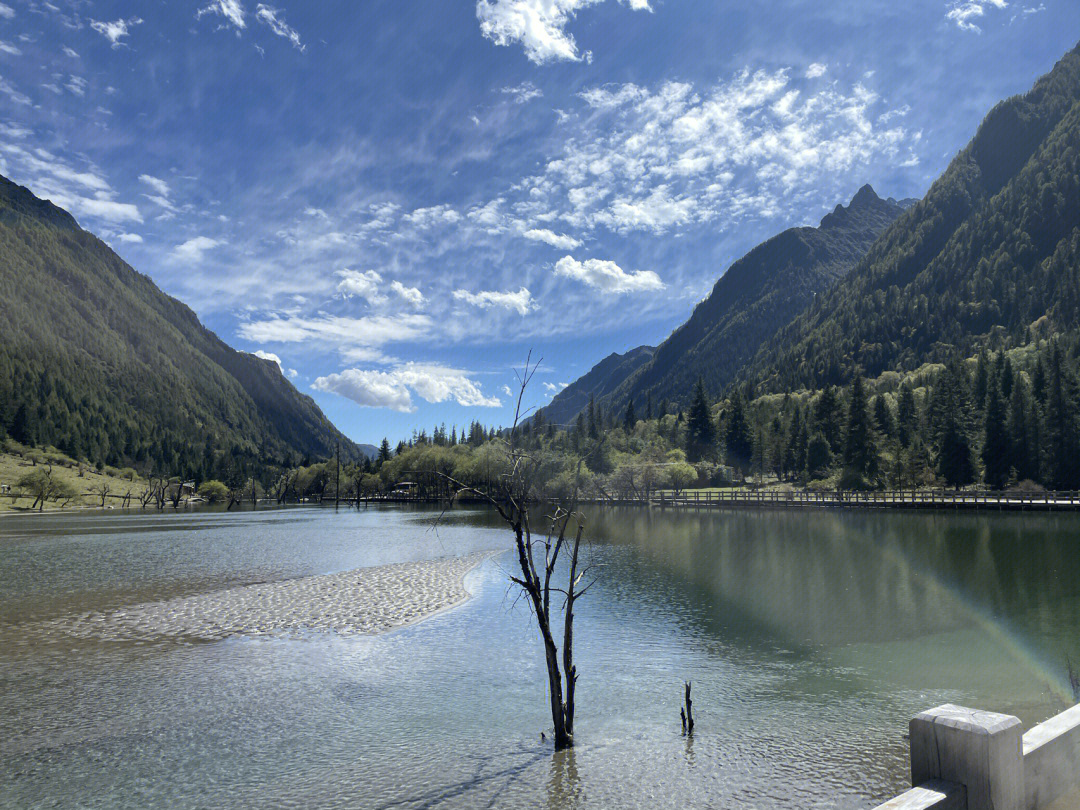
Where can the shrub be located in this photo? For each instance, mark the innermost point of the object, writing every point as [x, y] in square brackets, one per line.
[213, 491]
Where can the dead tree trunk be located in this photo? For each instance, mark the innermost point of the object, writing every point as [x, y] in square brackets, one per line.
[538, 557]
[687, 713]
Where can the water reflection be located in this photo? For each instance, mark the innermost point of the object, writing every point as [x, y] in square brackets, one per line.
[810, 637]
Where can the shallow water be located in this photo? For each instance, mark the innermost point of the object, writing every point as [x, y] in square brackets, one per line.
[811, 639]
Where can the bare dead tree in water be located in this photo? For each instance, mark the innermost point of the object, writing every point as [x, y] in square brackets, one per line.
[687, 712]
[557, 534]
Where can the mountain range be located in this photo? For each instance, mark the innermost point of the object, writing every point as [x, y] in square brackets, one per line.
[990, 255]
[97, 361]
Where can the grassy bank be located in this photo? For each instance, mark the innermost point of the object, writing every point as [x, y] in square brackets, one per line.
[83, 482]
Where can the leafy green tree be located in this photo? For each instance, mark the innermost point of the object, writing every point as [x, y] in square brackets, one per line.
[213, 491]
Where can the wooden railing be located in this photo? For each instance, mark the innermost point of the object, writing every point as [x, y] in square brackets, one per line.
[901, 498]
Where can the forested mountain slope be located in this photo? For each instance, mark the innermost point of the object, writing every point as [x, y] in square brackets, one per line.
[600, 381]
[757, 295]
[993, 248]
[97, 361]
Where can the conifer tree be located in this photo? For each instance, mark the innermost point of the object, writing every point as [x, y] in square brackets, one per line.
[700, 430]
[995, 447]
[906, 416]
[738, 438]
[860, 445]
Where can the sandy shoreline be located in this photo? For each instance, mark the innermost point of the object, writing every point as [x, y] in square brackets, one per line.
[362, 601]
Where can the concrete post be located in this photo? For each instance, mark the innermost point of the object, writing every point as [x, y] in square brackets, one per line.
[980, 750]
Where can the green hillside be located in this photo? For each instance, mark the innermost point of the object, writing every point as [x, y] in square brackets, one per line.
[759, 293]
[97, 361]
[990, 256]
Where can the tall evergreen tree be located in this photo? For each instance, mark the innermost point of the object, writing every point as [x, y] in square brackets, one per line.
[738, 438]
[906, 416]
[827, 415]
[629, 418]
[1059, 432]
[951, 408]
[700, 430]
[995, 447]
[860, 444]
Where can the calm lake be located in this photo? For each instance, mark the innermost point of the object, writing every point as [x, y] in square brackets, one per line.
[811, 639]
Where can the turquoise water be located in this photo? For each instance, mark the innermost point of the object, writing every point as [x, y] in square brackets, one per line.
[811, 639]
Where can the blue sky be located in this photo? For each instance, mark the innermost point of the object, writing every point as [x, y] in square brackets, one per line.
[400, 199]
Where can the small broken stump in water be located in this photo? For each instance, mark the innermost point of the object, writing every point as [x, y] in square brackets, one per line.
[687, 713]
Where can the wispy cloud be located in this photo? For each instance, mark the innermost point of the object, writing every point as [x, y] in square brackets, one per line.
[337, 332]
[520, 301]
[7, 12]
[523, 93]
[115, 31]
[270, 16]
[231, 10]
[192, 250]
[557, 240]
[965, 12]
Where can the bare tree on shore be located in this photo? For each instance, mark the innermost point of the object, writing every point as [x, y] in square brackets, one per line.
[540, 540]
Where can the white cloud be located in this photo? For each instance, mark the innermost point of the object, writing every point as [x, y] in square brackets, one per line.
[430, 217]
[290, 372]
[411, 295]
[539, 25]
[7, 12]
[130, 238]
[70, 52]
[393, 389]
[607, 276]
[7, 47]
[520, 301]
[115, 31]
[815, 70]
[345, 335]
[524, 92]
[107, 210]
[77, 85]
[269, 16]
[557, 240]
[231, 10]
[192, 250]
[555, 387]
[8, 90]
[666, 158]
[158, 185]
[965, 12]
[363, 284]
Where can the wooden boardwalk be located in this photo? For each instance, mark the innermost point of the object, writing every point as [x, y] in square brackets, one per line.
[887, 499]
[781, 499]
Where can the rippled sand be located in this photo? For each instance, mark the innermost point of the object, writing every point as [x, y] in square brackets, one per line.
[367, 600]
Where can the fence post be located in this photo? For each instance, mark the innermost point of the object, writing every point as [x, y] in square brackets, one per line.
[980, 750]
